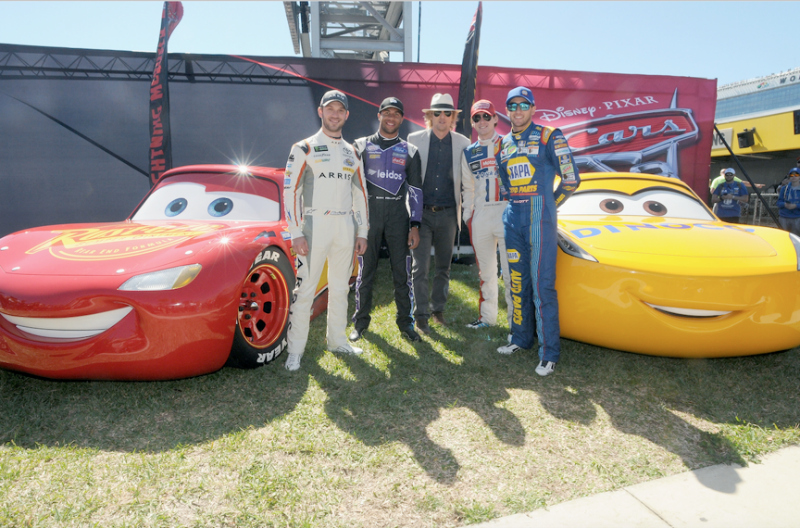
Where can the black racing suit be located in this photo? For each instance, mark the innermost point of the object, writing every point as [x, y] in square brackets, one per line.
[393, 171]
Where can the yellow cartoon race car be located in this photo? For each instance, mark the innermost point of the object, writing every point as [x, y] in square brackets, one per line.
[646, 267]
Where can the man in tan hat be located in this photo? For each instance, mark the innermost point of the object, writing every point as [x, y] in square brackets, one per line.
[440, 149]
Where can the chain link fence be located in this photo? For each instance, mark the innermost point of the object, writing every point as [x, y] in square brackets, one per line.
[755, 213]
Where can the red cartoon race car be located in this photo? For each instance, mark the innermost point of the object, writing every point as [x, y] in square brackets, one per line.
[199, 276]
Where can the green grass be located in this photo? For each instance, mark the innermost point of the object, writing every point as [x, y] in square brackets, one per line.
[441, 433]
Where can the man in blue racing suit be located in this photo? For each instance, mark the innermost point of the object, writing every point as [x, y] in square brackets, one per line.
[529, 159]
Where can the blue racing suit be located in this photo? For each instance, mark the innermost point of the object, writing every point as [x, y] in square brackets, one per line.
[529, 162]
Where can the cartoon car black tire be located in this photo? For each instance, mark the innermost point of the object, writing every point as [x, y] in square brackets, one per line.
[263, 317]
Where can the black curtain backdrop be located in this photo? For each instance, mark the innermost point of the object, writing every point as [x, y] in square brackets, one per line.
[249, 110]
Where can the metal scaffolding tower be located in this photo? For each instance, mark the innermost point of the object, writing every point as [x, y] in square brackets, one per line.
[350, 30]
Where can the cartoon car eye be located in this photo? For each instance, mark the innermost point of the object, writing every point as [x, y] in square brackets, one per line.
[193, 201]
[220, 207]
[175, 207]
[655, 208]
[664, 202]
[655, 202]
[612, 206]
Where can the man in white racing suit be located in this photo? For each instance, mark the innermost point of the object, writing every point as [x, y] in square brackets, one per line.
[325, 198]
[483, 206]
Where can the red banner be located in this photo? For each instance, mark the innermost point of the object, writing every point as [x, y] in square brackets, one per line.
[615, 122]
[160, 138]
[627, 123]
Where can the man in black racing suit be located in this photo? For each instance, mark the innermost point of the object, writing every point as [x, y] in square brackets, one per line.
[393, 172]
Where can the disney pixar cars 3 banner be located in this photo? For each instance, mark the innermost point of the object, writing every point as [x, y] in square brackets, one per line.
[250, 110]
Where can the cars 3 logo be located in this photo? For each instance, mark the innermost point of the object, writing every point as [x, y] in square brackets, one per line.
[645, 141]
[619, 134]
[109, 243]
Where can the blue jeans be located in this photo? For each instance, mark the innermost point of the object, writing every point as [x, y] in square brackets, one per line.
[790, 224]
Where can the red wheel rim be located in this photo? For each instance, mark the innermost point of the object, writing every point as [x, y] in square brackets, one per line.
[263, 306]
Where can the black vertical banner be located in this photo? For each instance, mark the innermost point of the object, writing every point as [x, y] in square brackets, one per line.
[469, 74]
[160, 140]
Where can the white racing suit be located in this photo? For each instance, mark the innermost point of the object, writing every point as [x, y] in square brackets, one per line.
[483, 207]
[326, 202]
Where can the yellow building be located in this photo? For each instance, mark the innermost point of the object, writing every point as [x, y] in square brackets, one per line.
[760, 120]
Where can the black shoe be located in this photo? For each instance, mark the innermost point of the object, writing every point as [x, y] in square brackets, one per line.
[356, 334]
[423, 327]
[410, 334]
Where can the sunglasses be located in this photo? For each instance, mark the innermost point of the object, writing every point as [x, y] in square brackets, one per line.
[477, 117]
[512, 107]
[446, 113]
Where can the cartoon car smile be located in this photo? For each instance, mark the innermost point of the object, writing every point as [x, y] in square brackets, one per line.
[646, 267]
[199, 276]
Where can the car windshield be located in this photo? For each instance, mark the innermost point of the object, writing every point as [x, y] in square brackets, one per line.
[210, 197]
[655, 202]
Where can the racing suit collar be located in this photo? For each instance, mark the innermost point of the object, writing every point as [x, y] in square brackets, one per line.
[521, 132]
[388, 138]
[322, 134]
[489, 141]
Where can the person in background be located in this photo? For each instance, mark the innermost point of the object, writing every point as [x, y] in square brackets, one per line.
[789, 203]
[716, 181]
[482, 209]
[728, 197]
[440, 149]
[721, 178]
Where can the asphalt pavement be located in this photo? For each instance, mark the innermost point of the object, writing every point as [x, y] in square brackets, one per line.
[765, 494]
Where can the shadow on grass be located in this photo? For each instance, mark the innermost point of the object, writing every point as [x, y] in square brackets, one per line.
[143, 416]
[378, 409]
[642, 396]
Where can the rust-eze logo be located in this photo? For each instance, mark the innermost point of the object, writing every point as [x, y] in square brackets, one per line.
[117, 242]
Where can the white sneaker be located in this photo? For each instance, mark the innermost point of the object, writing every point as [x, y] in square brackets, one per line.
[347, 348]
[509, 349]
[545, 368]
[293, 362]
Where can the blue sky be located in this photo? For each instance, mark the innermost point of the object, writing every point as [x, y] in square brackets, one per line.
[728, 41]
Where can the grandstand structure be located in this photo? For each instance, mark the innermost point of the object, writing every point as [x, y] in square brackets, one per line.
[351, 30]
